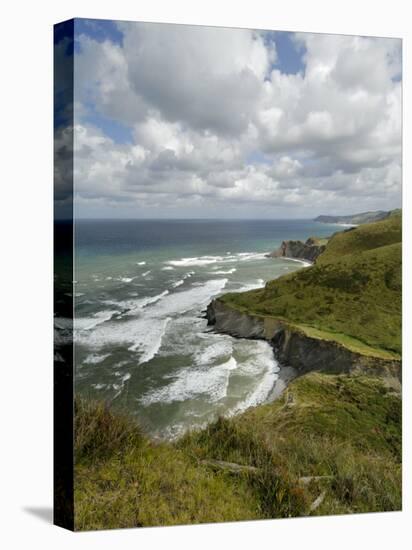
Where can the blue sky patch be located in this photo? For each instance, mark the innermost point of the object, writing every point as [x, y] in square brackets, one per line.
[115, 130]
[290, 54]
[99, 30]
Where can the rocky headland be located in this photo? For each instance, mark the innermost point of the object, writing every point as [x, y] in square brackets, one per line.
[335, 316]
[307, 251]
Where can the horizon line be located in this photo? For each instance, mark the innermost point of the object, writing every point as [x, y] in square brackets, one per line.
[74, 219]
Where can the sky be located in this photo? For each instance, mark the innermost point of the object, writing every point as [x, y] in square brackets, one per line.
[175, 121]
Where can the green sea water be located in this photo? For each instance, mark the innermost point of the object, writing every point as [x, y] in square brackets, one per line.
[141, 339]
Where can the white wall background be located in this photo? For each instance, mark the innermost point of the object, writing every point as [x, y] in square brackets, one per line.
[26, 272]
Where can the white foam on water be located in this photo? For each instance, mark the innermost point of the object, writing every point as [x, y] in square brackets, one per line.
[119, 387]
[146, 273]
[231, 364]
[216, 346]
[126, 279]
[260, 283]
[141, 263]
[208, 260]
[178, 283]
[167, 268]
[144, 333]
[186, 300]
[303, 262]
[196, 261]
[263, 367]
[152, 341]
[209, 378]
[144, 302]
[94, 358]
[123, 377]
[211, 383]
[246, 256]
[131, 307]
[87, 323]
[223, 272]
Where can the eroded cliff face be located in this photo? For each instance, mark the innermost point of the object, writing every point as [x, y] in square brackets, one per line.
[294, 348]
[308, 250]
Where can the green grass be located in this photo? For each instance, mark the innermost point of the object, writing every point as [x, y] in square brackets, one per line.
[347, 428]
[349, 342]
[362, 238]
[320, 241]
[353, 292]
[122, 479]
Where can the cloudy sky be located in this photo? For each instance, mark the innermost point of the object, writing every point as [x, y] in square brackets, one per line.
[184, 121]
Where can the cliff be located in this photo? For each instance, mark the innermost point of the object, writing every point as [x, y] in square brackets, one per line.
[308, 250]
[342, 314]
[303, 348]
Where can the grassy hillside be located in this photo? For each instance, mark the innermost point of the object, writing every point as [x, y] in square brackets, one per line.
[362, 238]
[345, 429]
[353, 291]
[122, 479]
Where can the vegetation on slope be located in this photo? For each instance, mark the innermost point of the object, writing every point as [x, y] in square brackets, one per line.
[342, 432]
[332, 436]
[363, 238]
[122, 479]
[353, 290]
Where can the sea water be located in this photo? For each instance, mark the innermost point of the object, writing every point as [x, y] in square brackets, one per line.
[141, 339]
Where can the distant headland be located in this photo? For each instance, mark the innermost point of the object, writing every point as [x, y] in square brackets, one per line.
[357, 219]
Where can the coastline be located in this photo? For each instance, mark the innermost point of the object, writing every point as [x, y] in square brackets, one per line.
[285, 376]
[305, 263]
[326, 440]
[271, 313]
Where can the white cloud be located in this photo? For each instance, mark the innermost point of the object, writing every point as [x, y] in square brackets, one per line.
[213, 123]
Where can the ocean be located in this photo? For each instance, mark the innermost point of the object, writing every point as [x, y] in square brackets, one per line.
[141, 339]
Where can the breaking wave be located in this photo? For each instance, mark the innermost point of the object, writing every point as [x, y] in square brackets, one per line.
[208, 260]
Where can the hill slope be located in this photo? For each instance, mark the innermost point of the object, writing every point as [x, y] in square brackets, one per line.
[338, 437]
[363, 238]
[354, 289]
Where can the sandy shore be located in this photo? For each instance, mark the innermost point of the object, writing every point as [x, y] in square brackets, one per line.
[286, 375]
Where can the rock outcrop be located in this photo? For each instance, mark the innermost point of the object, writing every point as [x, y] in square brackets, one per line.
[299, 250]
[296, 349]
